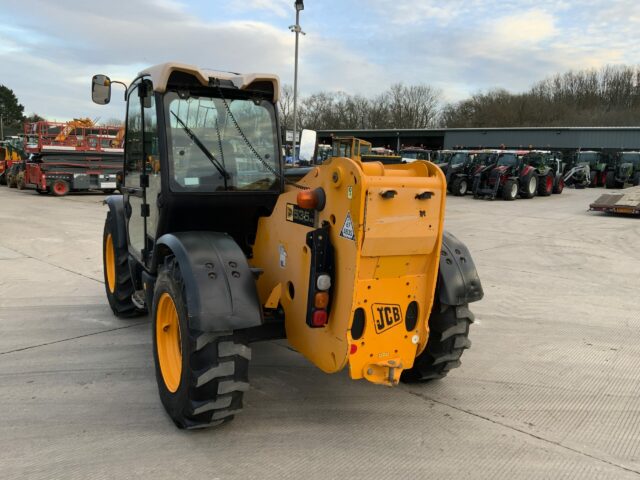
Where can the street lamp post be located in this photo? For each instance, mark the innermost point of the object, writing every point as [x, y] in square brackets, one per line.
[299, 4]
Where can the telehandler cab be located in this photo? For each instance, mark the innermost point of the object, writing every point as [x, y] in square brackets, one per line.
[349, 263]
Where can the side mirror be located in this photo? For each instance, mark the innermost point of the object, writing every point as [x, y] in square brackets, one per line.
[101, 89]
[308, 140]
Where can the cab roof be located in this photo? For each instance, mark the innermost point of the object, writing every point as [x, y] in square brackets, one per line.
[161, 73]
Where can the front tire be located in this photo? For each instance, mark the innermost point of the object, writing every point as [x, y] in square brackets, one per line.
[201, 376]
[510, 190]
[117, 276]
[610, 181]
[459, 187]
[448, 339]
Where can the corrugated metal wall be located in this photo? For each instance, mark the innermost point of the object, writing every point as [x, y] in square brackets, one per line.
[552, 138]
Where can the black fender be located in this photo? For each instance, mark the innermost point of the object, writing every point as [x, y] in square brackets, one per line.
[220, 287]
[458, 280]
[116, 207]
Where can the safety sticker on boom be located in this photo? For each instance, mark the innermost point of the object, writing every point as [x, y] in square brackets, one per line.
[347, 229]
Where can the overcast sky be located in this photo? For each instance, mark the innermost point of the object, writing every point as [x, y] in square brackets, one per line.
[50, 49]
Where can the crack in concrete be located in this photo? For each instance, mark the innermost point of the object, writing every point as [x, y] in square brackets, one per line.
[73, 338]
[26, 255]
[524, 432]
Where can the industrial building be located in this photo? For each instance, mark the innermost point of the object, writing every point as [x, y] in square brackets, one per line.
[555, 138]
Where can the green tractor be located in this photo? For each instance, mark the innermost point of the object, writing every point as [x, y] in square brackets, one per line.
[625, 168]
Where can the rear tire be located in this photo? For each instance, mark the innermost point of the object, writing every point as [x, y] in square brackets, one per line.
[636, 179]
[459, 187]
[118, 283]
[510, 190]
[60, 188]
[203, 384]
[529, 186]
[559, 186]
[545, 187]
[20, 182]
[448, 339]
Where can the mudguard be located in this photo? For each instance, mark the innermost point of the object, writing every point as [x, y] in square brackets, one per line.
[116, 207]
[458, 280]
[220, 287]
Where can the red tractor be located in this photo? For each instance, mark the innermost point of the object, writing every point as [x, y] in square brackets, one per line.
[507, 177]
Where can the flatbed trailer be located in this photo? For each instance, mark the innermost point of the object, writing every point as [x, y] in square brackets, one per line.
[62, 172]
[627, 203]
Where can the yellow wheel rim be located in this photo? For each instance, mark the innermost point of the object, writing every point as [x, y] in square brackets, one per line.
[168, 342]
[110, 263]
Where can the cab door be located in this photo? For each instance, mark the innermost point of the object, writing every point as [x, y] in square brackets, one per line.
[141, 171]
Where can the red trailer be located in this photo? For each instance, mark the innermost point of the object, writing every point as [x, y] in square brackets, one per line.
[72, 156]
[62, 172]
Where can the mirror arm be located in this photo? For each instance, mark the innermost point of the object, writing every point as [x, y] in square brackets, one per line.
[124, 85]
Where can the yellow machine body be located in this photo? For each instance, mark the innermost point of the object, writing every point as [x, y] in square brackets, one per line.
[385, 224]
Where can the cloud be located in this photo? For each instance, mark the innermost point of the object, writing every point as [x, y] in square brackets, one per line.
[360, 47]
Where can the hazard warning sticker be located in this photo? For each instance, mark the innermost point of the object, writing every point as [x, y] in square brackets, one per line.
[347, 229]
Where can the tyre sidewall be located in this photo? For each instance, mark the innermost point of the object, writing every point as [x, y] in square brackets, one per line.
[122, 308]
[176, 402]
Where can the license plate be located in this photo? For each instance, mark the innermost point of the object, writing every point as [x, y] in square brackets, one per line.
[386, 316]
[107, 184]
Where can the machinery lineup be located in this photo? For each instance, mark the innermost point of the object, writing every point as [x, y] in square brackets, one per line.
[508, 174]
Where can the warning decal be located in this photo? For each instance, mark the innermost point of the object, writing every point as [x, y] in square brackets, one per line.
[347, 229]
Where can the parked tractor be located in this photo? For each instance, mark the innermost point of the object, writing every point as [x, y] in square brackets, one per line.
[462, 168]
[349, 262]
[441, 157]
[507, 177]
[411, 154]
[625, 168]
[549, 168]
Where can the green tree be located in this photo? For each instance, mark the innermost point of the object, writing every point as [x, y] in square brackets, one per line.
[34, 117]
[12, 112]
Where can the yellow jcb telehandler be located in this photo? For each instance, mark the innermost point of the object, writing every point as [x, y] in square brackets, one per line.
[223, 247]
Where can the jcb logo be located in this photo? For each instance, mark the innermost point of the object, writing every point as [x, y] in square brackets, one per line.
[385, 316]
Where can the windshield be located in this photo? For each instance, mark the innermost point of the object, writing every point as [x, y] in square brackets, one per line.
[629, 157]
[534, 159]
[458, 159]
[587, 157]
[207, 151]
[507, 160]
[365, 149]
[442, 157]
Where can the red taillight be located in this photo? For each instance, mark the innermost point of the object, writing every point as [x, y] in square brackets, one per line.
[319, 318]
[353, 349]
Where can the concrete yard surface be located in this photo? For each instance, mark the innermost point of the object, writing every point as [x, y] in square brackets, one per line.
[549, 389]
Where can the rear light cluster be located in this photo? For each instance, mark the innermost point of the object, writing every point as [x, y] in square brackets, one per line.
[320, 315]
[320, 276]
